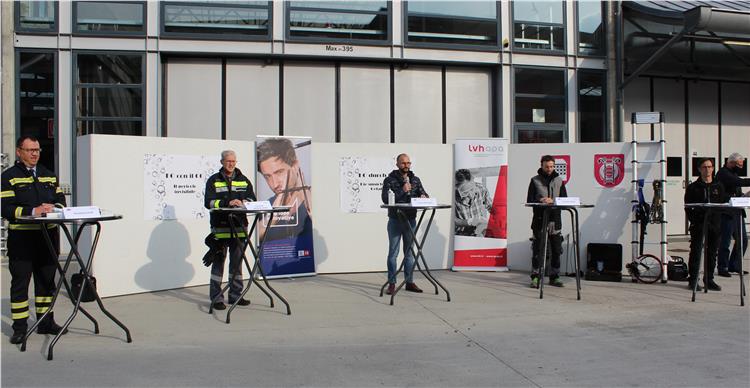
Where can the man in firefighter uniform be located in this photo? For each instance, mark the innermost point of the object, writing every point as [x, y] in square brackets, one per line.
[30, 189]
[227, 188]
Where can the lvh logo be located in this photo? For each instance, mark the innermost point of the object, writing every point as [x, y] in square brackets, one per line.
[485, 148]
[609, 169]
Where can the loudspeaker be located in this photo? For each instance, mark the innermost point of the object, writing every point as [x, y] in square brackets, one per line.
[604, 262]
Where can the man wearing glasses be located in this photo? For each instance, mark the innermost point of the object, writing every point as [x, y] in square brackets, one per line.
[29, 189]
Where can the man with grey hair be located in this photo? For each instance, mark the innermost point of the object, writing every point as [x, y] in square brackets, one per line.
[227, 188]
[729, 177]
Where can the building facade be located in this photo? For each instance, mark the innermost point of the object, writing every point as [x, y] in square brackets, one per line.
[369, 72]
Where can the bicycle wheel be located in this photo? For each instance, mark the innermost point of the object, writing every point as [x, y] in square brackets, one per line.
[649, 268]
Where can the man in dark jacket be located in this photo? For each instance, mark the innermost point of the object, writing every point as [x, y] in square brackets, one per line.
[729, 177]
[705, 189]
[228, 188]
[29, 189]
[405, 186]
[544, 188]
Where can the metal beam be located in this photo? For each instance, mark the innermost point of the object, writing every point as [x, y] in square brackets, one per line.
[658, 54]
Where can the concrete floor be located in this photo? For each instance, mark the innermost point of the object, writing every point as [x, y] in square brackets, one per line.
[494, 332]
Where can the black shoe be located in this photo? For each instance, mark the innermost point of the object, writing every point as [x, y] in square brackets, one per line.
[17, 336]
[712, 286]
[725, 274]
[220, 306]
[412, 287]
[50, 328]
[242, 302]
[737, 272]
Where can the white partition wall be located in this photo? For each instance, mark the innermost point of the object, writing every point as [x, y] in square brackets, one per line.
[137, 254]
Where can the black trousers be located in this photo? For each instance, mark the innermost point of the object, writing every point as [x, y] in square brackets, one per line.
[696, 248]
[29, 255]
[554, 245]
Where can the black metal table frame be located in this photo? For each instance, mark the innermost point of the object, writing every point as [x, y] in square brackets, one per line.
[419, 244]
[576, 233]
[704, 251]
[235, 226]
[62, 270]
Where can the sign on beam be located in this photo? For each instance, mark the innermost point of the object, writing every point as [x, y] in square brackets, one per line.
[646, 117]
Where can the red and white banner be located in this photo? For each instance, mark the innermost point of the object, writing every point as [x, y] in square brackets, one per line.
[480, 204]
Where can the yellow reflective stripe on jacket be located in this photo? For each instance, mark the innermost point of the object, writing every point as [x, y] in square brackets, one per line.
[58, 190]
[220, 184]
[22, 315]
[239, 184]
[16, 181]
[29, 226]
[216, 203]
[49, 179]
[42, 310]
[7, 194]
[18, 212]
[43, 299]
[19, 305]
[228, 235]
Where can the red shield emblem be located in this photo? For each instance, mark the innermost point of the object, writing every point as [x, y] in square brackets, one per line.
[562, 167]
[609, 169]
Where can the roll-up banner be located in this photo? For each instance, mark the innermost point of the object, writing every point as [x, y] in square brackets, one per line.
[284, 178]
[480, 205]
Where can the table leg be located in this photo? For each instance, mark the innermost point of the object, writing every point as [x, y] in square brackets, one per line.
[742, 255]
[576, 247]
[419, 254]
[263, 274]
[233, 230]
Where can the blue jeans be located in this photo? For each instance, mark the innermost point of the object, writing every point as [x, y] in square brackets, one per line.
[727, 261]
[396, 231]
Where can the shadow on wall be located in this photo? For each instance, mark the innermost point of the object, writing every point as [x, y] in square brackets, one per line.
[168, 249]
[436, 245]
[320, 248]
[604, 226]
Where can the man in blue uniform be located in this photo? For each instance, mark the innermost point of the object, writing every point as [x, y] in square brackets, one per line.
[227, 188]
[29, 189]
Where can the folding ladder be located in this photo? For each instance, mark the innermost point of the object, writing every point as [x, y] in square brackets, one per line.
[650, 118]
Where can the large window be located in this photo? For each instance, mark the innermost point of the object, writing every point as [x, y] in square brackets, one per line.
[348, 21]
[35, 86]
[109, 17]
[538, 25]
[109, 94]
[241, 19]
[591, 106]
[36, 16]
[540, 106]
[590, 27]
[453, 22]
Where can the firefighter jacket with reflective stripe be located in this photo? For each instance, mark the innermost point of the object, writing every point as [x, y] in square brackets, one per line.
[22, 192]
[220, 190]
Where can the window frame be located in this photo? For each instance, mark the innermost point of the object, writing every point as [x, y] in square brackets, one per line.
[563, 127]
[163, 33]
[603, 49]
[17, 21]
[76, 85]
[76, 31]
[496, 47]
[17, 104]
[605, 118]
[288, 8]
[512, 28]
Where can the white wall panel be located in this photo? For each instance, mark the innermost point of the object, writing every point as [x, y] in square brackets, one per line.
[735, 119]
[194, 98]
[636, 100]
[310, 100]
[703, 124]
[252, 101]
[365, 103]
[669, 97]
[468, 97]
[418, 100]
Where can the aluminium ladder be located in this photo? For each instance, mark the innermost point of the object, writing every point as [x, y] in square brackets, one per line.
[650, 118]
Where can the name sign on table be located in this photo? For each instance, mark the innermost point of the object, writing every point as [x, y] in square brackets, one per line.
[258, 205]
[740, 201]
[424, 202]
[567, 201]
[81, 212]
